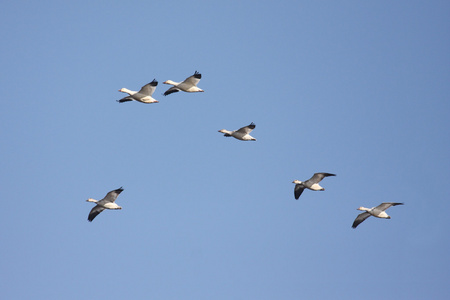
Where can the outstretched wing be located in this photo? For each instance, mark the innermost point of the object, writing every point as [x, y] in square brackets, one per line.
[194, 79]
[247, 129]
[385, 205]
[149, 88]
[172, 90]
[125, 99]
[95, 212]
[317, 177]
[298, 190]
[112, 196]
[360, 218]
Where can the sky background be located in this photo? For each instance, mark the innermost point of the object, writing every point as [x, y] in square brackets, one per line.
[355, 88]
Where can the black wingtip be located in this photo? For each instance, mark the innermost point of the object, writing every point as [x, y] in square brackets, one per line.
[123, 100]
[168, 92]
[328, 174]
[154, 82]
[119, 190]
[197, 75]
[252, 125]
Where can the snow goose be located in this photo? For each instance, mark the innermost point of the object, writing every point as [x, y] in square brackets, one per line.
[188, 85]
[105, 203]
[378, 211]
[242, 134]
[312, 184]
[144, 95]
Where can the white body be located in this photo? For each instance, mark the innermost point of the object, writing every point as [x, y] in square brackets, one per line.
[314, 187]
[378, 212]
[108, 202]
[238, 135]
[375, 212]
[107, 205]
[189, 85]
[310, 184]
[138, 96]
[242, 134]
[185, 87]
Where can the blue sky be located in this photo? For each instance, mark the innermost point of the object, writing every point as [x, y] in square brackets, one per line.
[348, 87]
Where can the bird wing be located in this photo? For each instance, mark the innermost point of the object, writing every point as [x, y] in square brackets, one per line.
[172, 90]
[298, 190]
[385, 205]
[247, 129]
[149, 88]
[112, 196]
[95, 212]
[360, 218]
[194, 79]
[125, 99]
[317, 177]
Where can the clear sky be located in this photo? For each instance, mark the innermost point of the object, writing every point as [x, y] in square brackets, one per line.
[356, 88]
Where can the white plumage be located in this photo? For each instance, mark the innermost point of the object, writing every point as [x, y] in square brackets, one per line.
[108, 202]
[189, 85]
[311, 184]
[242, 134]
[378, 211]
[144, 95]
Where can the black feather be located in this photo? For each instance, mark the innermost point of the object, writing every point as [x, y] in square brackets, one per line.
[124, 100]
[169, 91]
[197, 75]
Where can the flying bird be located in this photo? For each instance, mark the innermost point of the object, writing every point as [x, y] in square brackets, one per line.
[378, 211]
[312, 184]
[106, 203]
[144, 95]
[188, 85]
[242, 134]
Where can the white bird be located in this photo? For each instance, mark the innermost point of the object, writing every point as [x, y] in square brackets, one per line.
[144, 95]
[378, 211]
[105, 203]
[188, 85]
[312, 184]
[242, 134]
